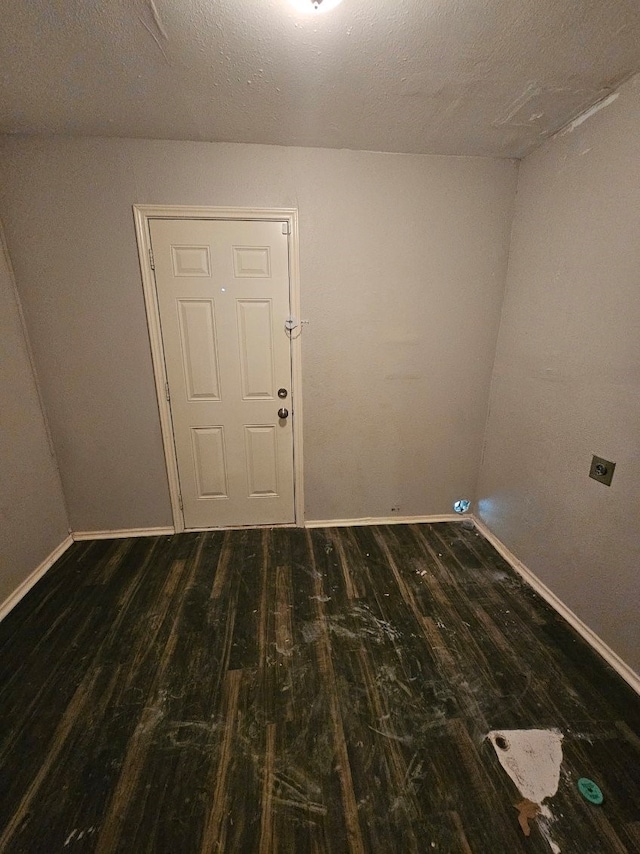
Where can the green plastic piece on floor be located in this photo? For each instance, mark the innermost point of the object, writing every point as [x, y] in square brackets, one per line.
[590, 791]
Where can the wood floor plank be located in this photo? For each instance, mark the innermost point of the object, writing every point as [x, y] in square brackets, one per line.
[266, 805]
[327, 674]
[289, 690]
[216, 827]
[70, 719]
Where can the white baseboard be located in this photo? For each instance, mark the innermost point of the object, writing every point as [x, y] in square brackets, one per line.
[12, 600]
[381, 520]
[122, 533]
[611, 657]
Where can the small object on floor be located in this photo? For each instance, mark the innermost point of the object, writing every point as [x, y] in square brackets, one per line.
[590, 791]
[533, 759]
[526, 811]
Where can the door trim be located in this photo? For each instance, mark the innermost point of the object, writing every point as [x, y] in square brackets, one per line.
[142, 214]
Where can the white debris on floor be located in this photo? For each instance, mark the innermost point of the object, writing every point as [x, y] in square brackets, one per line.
[532, 759]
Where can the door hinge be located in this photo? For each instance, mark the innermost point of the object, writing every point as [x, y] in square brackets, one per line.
[286, 228]
[166, 391]
[151, 261]
[180, 502]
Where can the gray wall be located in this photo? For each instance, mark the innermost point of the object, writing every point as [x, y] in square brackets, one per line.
[403, 263]
[567, 376]
[32, 516]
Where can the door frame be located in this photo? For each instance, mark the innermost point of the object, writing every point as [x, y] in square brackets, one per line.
[142, 215]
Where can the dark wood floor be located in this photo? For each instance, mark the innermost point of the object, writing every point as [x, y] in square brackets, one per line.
[300, 691]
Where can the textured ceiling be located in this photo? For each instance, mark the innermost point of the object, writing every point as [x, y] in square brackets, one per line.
[483, 77]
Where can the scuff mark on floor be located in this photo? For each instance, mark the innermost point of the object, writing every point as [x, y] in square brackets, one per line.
[76, 835]
[532, 758]
[182, 734]
[403, 739]
[364, 625]
[388, 677]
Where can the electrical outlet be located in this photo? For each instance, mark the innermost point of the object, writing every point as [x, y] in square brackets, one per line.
[602, 470]
[395, 509]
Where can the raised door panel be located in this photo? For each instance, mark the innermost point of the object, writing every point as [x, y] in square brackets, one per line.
[255, 341]
[261, 461]
[251, 262]
[199, 349]
[209, 462]
[191, 261]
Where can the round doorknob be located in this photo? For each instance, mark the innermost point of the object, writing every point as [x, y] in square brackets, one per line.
[283, 413]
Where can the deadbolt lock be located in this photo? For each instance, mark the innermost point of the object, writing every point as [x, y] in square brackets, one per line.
[282, 392]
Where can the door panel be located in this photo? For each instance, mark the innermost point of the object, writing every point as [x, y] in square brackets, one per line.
[199, 356]
[223, 297]
[190, 261]
[255, 323]
[252, 262]
[209, 462]
[261, 451]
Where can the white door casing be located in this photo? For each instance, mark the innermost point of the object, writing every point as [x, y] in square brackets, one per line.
[217, 301]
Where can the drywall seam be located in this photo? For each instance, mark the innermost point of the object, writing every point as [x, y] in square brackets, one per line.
[381, 520]
[25, 586]
[157, 20]
[492, 381]
[575, 122]
[604, 650]
[588, 113]
[121, 533]
[32, 366]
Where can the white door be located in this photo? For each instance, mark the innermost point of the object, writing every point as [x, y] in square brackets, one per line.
[223, 298]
